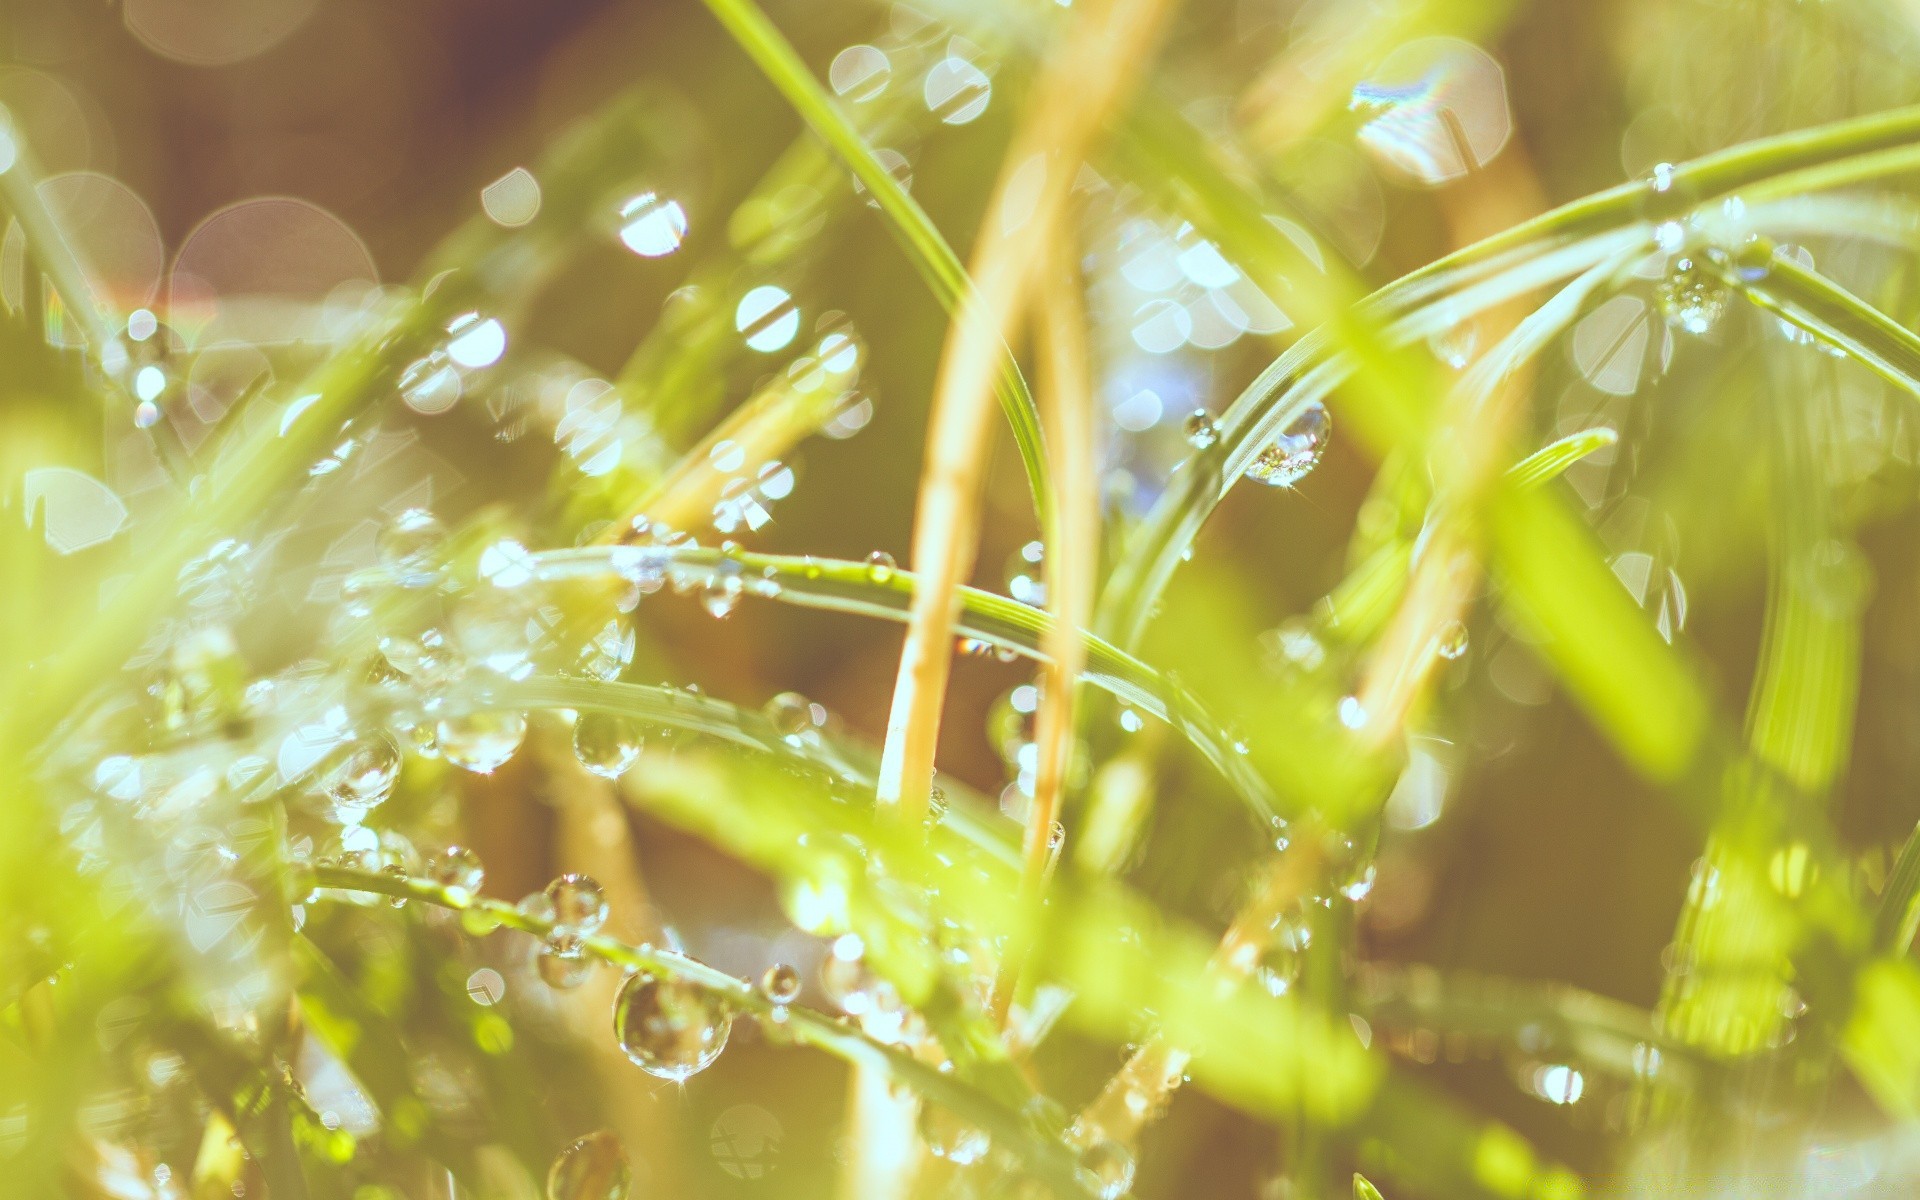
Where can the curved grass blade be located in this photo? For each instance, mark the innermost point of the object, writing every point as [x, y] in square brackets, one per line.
[1048, 1160]
[931, 255]
[840, 586]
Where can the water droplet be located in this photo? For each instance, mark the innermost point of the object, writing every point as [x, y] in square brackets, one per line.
[365, 777]
[563, 970]
[579, 907]
[1295, 450]
[480, 742]
[1106, 1167]
[793, 716]
[1451, 643]
[593, 1168]
[457, 867]
[951, 1138]
[1455, 345]
[409, 546]
[607, 743]
[880, 566]
[1691, 296]
[651, 226]
[1203, 432]
[431, 385]
[607, 652]
[780, 984]
[668, 1027]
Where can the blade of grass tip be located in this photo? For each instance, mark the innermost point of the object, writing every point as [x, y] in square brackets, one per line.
[1102, 51]
[49, 249]
[929, 252]
[1552, 460]
[806, 1026]
[1072, 541]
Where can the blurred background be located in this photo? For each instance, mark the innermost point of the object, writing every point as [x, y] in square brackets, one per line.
[200, 147]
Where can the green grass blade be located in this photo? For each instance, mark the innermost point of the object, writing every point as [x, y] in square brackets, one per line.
[936, 261]
[840, 586]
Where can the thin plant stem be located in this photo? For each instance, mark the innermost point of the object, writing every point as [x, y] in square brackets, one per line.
[803, 1025]
[929, 252]
[1071, 544]
[1101, 53]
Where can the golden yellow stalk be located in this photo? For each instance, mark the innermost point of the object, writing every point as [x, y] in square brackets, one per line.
[1096, 65]
[1072, 541]
[1139, 1091]
[778, 417]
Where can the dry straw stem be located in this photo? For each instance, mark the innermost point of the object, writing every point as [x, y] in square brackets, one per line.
[1072, 539]
[1099, 60]
[779, 417]
[1139, 1091]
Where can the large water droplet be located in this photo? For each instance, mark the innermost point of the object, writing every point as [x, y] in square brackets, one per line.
[1691, 296]
[409, 547]
[1106, 1167]
[668, 1027]
[480, 742]
[457, 867]
[365, 777]
[880, 566]
[1203, 432]
[794, 717]
[593, 1168]
[607, 743]
[579, 906]
[1295, 450]
[780, 984]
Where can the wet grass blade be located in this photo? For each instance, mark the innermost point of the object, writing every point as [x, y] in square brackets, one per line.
[928, 250]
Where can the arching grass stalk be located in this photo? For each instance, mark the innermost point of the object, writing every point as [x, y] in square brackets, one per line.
[916, 232]
[840, 586]
[805, 1026]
